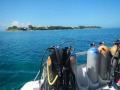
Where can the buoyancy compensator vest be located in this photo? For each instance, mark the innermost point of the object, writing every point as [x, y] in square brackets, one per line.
[59, 72]
[115, 63]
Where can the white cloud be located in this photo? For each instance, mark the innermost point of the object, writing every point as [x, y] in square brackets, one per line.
[20, 24]
[4, 26]
[15, 23]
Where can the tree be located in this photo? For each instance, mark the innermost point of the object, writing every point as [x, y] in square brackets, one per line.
[13, 28]
[30, 27]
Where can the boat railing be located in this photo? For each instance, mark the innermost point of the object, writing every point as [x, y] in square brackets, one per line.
[81, 53]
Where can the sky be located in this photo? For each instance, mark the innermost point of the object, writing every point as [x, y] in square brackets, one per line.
[105, 13]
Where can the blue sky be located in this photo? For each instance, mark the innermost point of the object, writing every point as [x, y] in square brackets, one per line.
[105, 13]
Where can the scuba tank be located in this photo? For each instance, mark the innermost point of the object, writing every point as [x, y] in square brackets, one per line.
[114, 51]
[104, 61]
[93, 64]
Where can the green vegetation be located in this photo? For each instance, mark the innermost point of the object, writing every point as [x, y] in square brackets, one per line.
[30, 27]
[83, 27]
[13, 28]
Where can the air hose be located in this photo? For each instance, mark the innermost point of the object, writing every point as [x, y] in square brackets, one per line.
[48, 74]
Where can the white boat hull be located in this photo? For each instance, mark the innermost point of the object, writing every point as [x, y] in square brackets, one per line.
[83, 82]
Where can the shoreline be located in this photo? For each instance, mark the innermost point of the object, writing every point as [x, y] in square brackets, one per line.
[58, 29]
[30, 27]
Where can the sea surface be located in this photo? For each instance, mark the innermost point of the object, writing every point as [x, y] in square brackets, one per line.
[21, 51]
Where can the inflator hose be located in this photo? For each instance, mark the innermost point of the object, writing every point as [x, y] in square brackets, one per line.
[48, 74]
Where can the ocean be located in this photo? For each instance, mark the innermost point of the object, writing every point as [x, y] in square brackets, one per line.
[21, 51]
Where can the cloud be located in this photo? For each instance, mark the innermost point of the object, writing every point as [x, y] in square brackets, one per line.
[20, 24]
[15, 23]
[4, 26]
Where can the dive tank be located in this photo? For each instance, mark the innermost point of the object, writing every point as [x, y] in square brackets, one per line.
[93, 64]
[114, 51]
[104, 61]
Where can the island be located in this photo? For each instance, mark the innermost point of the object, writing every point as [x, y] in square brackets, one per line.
[30, 27]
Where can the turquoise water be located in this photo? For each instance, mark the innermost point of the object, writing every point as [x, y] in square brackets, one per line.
[20, 52]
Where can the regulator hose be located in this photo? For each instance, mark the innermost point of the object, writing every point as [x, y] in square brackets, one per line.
[48, 74]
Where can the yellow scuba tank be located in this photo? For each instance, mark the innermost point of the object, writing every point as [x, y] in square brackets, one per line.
[113, 50]
[104, 61]
[103, 49]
